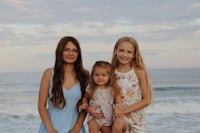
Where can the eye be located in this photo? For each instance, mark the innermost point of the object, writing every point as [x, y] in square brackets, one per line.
[130, 52]
[67, 50]
[75, 51]
[121, 50]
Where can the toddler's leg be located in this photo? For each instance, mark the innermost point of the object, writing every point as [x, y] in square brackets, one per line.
[93, 126]
[119, 125]
[106, 129]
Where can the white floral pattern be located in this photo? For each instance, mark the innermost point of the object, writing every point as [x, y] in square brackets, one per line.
[131, 94]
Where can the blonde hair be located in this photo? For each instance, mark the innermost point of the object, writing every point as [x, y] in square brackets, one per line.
[137, 62]
[112, 82]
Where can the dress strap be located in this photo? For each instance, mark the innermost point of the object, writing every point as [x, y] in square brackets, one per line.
[52, 71]
[51, 81]
[134, 73]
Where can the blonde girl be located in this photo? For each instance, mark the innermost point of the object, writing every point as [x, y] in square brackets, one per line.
[132, 78]
[103, 91]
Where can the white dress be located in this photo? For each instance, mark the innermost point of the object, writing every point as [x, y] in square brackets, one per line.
[131, 94]
[103, 98]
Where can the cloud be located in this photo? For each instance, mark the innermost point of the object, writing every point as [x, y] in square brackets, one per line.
[20, 6]
[16, 34]
[194, 22]
[30, 30]
[16, 3]
[83, 9]
[40, 33]
[196, 4]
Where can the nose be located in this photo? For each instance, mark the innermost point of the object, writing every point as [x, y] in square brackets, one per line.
[125, 54]
[70, 52]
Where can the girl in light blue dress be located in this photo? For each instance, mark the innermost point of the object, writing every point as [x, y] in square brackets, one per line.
[63, 87]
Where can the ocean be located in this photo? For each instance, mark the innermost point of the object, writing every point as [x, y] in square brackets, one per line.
[175, 107]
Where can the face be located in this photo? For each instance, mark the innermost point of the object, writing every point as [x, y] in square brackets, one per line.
[125, 53]
[70, 53]
[100, 76]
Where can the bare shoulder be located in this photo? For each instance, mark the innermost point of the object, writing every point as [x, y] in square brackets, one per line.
[47, 73]
[140, 73]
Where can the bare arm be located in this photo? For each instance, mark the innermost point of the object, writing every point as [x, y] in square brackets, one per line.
[82, 114]
[42, 101]
[118, 107]
[84, 104]
[118, 99]
[146, 94]
[79, 122]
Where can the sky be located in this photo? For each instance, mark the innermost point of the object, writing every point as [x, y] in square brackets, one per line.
[167, 31]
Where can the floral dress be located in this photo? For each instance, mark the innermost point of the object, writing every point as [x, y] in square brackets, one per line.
[131, 94]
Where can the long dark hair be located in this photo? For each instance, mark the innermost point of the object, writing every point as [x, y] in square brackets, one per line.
[82, 75]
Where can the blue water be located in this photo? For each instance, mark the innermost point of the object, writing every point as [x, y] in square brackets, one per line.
[175, 106]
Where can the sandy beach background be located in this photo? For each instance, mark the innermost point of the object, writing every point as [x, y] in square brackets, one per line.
[175, 107]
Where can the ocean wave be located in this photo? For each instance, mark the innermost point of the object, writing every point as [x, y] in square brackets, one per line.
[13, 84]
[161, 105]
[19, 110]
[180, 105]
[175, 88]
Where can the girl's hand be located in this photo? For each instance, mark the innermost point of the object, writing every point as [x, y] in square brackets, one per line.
[92, 111]
[73, 131]
[52, 130]
[83, 106]
[118, 111]
[76, 128]
[118, 116]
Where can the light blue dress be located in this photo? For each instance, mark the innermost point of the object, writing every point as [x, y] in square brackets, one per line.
[64, 119]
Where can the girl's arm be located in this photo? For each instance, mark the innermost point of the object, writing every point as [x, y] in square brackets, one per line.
[146, 94]
[42, 101]
[79, 122]
[84, 104]
[118, 99]
[82, 114]
[118, 106]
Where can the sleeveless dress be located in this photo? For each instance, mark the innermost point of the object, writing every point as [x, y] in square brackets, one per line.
[103, 98]
[131, 94]
[64, 119]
